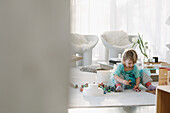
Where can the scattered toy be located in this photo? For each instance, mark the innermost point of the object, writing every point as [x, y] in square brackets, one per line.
[76, 86]
[100, 85]
[137, 89]
[130, 82]
[81, 89]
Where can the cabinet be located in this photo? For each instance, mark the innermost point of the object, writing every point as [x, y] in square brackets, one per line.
[163, 99]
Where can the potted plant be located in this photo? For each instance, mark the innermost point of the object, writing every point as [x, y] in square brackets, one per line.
[143, 46]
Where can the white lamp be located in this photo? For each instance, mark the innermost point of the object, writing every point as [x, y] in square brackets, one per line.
[168, 45]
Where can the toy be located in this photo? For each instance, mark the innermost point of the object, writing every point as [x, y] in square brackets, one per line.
[105, 87]
[76, 86]
[137, 89]
[86, 84]
[108, 90]
[81, 89]
[90, 89]
[112, 89]
[130, 82]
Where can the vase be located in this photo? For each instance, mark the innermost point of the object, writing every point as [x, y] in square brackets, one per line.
[143, 62]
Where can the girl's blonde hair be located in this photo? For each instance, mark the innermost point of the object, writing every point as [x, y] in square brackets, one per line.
[129, 54]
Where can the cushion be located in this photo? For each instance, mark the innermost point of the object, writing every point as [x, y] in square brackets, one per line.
[78, 39]
[119, 38]
[91, 68]
[80, 43]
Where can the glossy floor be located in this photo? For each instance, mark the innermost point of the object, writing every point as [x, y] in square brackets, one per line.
[131, 109]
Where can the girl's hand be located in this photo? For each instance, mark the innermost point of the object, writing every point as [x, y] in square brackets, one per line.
[136, 87]
[125, 82]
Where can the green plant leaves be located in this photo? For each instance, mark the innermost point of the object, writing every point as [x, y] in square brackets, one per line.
[133, 45]
[142, 46]
[146, 43]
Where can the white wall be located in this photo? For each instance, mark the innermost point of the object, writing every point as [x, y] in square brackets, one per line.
[34, 56]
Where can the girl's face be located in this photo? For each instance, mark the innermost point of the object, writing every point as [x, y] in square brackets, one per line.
[129, 63]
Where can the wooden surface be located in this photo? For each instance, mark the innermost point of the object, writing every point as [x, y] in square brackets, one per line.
[165, 88]
[164, 76]
[163, 99]
[148, 63]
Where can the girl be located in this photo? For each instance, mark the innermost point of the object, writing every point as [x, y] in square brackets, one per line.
[127, 73]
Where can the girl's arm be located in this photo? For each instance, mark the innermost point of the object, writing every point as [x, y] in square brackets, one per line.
[118, 79]
[137, 82]
[137, 76]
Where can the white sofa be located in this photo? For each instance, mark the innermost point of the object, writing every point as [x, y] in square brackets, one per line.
[121, 43]
[83, 47]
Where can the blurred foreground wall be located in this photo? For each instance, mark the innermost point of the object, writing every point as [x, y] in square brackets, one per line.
[34, 52]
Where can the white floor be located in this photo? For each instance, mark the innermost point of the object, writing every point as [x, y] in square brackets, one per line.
[126, 98]
[91, 77]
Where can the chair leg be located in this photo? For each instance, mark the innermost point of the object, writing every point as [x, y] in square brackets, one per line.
[113, 53]
[106, 54]
[87, 57]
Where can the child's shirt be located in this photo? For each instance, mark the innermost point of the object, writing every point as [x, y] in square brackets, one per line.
[126, 74]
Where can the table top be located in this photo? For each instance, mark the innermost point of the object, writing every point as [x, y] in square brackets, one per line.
[165, 88]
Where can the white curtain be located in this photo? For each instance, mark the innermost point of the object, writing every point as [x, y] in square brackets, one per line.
[146, 17]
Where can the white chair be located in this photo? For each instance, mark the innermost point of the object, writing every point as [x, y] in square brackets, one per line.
[116, 42]
[84, 48]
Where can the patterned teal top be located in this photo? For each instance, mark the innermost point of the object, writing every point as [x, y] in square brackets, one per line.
[126, 74]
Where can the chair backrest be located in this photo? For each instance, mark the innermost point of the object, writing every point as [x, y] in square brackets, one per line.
[78, 39]
[92, 38]
[119, 38]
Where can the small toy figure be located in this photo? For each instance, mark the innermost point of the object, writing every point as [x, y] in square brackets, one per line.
[112, 88]
[81, 89]
[86, 84]
[130, 82]
[108, 90]
[76, 86]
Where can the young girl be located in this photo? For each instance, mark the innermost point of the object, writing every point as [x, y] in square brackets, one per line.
[128, 75]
